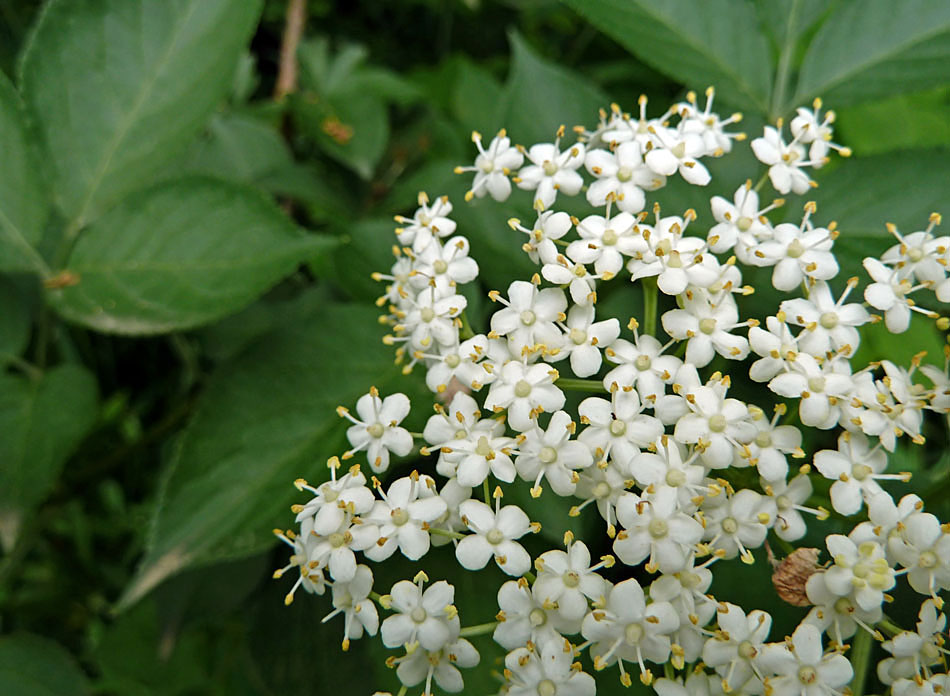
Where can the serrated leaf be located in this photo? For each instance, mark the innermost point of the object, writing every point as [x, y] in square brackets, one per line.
[119, 87]
[265, 419]
[42, 422]
[874, 48]
[714, 42]
[179, 255]
[540, 96]
[34, 666]
[24, 203]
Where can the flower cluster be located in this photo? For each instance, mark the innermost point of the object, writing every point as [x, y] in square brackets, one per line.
[684, 473]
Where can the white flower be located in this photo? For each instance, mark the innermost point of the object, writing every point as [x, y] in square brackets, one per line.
[829, 325]
[548, 226]
[550, 454]
[740, 224]
[776, 346]
[797, 253]
[376, 430]
[919, 255]
[427, 223]
[352, 600]
[618, 428]
[801, 667]
[821, 388]
[733, 650]
[425, 665]
[444, 266]
[585, 338]
[641, 365]
[914, 652]
[889, 293]
[523, 617]
[461, 362]
[492, 167]
[923, 548]
[567, 580]
[335, 550]
[737, 523]
[707, 124]
[494, 535]
[547, 672]
[430, 317]
[529, 316]
[676, 260]
[840, 616]
[403, 516]
[526, 391]
[707, 328]
[627, 628]
[809, 128]
[855, 468]
[717, 424]
[785, 162]
[602, 485]
[772, 442]
[581, 283]
[622, 176]
[679, 152]
[789, 498]
[551, 171]
[310, 575]
[428, 617]
[604, 241]
[667, 466]
[333, 500]
[654, 528]
[860, 571]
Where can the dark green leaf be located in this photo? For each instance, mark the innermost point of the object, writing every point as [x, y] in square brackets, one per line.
[23, 197]
[876, 48]
[714, 42]
[34, 666]
[119, 87]
[266, 418]
[14, 321]
[475, 98]
[179, 255]
[42, 422]
[540, 96]
[924, 120]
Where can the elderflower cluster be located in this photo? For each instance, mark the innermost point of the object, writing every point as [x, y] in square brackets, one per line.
[658, 442]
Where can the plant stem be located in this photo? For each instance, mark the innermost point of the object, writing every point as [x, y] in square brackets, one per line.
[486, 492]
[446, 533]
[784, 69]
[293, 30]
[478, 630]
[584, 385]
[466, 332]
[860, 657]
[650, 294]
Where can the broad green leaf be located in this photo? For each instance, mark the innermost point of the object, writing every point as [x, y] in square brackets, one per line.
[540, 96]
[475, 95]
[237, 147]
[864, 193]
[119, 87]
[790, 21]
[24, 202]
[42, 422]
[179, 255]
[14, 321]
[875, 48]
[266, 418]
[714, 42]
[924, 120]
[34, 666]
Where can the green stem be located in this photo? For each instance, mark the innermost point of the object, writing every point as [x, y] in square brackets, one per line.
[478, 630]
[446, 533]
[889, 626]
[860, 657]
[34, 373]
[529, 576]
[761, 182]
[650, 295]
[486, 492]
[584, 385]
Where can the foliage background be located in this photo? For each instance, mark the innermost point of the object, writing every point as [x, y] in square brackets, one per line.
[185, 292]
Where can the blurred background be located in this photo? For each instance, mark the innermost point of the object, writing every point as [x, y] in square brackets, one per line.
[148, 446]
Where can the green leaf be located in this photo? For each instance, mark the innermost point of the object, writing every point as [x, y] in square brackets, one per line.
[42, 422]
[714, 42]
[540, 96]
[266, 418]
[924, 120]
[119, 87]
[24, 204]
[34, 666]
[874, 48]
[14, 321]
[864, 193]
[237, 147]
[179, 255]
[475, 96]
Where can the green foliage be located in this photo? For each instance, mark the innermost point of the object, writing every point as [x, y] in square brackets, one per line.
[180, 255]
[33, 666]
